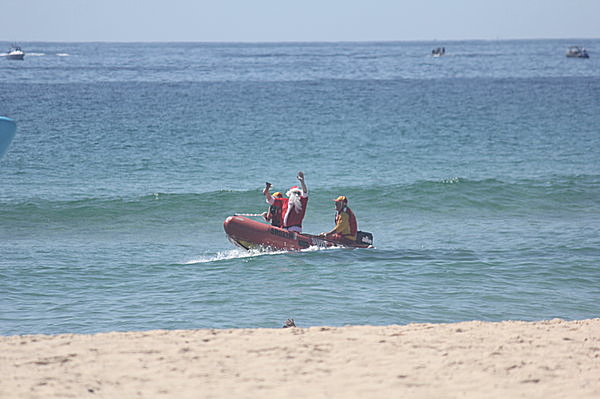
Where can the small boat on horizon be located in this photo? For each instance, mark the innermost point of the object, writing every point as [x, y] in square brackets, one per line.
[438, 52]
[577, 52]
[15, 53]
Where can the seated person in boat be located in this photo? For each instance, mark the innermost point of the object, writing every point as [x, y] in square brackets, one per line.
[293, 208]
[345, 222]
[274, 214]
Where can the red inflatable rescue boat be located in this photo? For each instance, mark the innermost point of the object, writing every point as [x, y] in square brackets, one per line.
[250, 234]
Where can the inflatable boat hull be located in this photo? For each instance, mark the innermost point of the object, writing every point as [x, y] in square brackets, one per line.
[250, 234]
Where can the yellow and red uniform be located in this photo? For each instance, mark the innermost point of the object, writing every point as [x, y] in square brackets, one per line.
[345, 224]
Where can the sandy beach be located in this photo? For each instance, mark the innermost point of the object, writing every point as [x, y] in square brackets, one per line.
[546, 359]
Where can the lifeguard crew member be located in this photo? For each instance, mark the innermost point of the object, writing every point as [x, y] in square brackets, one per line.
[275, 213]
[293, 208]
[345, 222]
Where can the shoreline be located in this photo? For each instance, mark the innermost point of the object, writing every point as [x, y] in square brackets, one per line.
[474, 359]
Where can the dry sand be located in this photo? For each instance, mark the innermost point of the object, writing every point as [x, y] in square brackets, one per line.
[547, 359]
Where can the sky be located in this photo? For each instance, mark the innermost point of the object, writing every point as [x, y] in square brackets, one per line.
[301, 20]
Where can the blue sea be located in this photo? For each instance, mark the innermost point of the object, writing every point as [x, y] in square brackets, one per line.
[478, 174]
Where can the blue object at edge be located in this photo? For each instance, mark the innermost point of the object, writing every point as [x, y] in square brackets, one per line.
[8, 127]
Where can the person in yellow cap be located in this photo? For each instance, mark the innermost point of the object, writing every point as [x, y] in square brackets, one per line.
[345, 222]
[274, 214]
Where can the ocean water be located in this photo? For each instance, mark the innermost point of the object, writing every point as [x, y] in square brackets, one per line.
[478, 174]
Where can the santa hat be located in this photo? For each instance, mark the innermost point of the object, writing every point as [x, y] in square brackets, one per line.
[294, 189]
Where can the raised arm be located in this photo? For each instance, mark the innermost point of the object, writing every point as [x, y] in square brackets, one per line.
[300, 177]
[267, 194]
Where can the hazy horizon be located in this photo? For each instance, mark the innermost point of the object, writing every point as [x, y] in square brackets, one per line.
[300, 42]
[270, 21]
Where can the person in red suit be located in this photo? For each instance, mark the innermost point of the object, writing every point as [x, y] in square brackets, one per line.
[293, 208]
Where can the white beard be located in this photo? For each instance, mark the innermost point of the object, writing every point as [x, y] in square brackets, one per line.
[294, 202]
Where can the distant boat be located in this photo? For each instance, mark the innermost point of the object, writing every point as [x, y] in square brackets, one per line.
[8, 128]
[438, 52]
[577, 52]
[15, 53]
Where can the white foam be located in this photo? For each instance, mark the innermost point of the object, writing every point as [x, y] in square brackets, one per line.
[231, 254]
[314, 248]
[241, 254]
